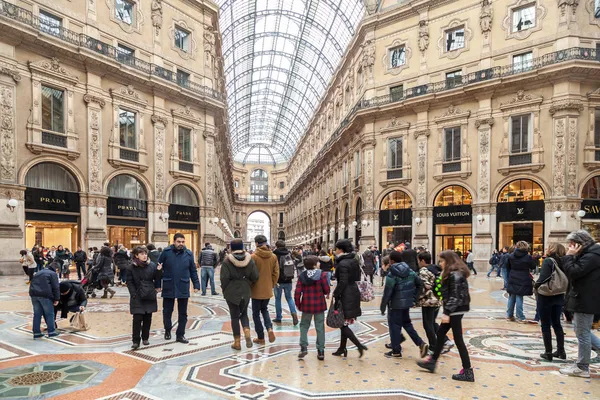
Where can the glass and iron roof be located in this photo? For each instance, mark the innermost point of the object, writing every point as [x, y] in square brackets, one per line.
[279, 58]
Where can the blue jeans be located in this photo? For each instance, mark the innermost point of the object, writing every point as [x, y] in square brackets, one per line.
[42, 306]
[261, 307]
[287, 288]
[399, 319]
[206, 273]
[504, 272]
[494, 266]
[517, 300]
[586, 339]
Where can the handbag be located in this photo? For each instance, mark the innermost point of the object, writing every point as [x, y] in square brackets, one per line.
[79, 322]
[366, 290]
[335, 315]
[146, 290]
[558, 283]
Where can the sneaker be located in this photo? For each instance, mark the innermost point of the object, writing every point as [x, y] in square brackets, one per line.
[391, 354]
[511, 319]
[465, 375]
[424, 349]
[574, 370]
[303, 352]
[521, 321]
[427, 363]
[38, 335]
[277, 320]
[448, 346]
[53, 334]
[534, 322]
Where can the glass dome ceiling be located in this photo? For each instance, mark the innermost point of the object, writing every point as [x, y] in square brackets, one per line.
[279, 58]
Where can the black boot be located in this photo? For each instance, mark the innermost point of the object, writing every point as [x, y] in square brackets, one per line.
[547, 355]
[465, 375]
[303, 352]
[560, 345]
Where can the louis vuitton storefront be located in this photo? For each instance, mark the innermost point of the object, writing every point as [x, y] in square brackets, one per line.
[52, 207]
[395, 219]
[127, 212]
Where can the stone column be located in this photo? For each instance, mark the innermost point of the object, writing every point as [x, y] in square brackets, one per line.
[483, 240]
[420, 230]
[369, 207]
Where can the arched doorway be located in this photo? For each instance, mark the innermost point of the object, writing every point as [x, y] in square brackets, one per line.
[52, 207]
[184, 216]
[259, 185]
[395, 219]
[346, 220]
[520, 214]
[258, 223]
[452, 220]
[357, 218]
[127, 214]
[591, 205]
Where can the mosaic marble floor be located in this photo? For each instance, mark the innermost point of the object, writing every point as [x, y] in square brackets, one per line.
[98, 363]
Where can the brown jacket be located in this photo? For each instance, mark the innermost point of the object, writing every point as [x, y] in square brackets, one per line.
[268, 271]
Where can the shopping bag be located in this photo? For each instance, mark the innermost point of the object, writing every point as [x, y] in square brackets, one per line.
[79, 322]
[366, 290]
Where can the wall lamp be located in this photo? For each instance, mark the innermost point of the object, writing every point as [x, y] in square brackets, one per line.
[418, 221]
[480, 219]
[12, 204]
[164, 217]
[365, 223]
[580, 214]
[355, 223]
[332, 230]
[99, 211]
[214, 220]
[342, 227]
[557, 215]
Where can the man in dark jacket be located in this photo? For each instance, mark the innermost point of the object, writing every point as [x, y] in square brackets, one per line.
[45, 294]
[72, 299]
[179, 268]
[582, 266]
[284, 283]
[409, 257]
[520, 264]
[80, 258]
[122, 262]
[402, 290]
[153, 254]
[369, 263]
[208, 261]
[502, 263]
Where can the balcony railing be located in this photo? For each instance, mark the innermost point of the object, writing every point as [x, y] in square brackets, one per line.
[519, 159]
[19, 14]
[129, 155]
[186, 167]
[394, 173]
[451, 167]
[255, 198]
[54, 139]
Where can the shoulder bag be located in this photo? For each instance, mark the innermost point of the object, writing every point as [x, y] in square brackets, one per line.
[366, 289]
[558, 283]
[335, 315]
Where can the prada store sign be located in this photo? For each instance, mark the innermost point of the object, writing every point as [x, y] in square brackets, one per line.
[52, 200]
[130, 208]
[184, 213]
[591, 208]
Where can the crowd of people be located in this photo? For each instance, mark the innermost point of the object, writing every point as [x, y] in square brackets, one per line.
[410, 278]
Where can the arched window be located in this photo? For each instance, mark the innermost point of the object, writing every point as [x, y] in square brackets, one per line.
[281, 235]
[521, 190]
[126, 187]
[453, 196]
[236, 234]
[184, 196]
[396, 200]
[259, 185]
[51, 176]
[591, 190]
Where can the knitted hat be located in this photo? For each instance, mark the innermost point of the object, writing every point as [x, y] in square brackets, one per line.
[64, 287]
[236, 245]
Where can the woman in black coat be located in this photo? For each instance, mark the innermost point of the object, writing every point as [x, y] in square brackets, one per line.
[347, 273]
[143, 282]
[103, 271]
[520, 283]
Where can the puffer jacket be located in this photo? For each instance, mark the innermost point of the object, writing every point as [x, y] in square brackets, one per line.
[402, 288]
[122, 260]
[45, 284]
[208, 257]
[368, 262]
[268, 273]
[238, 274]
[104, 267]
[455, 293]
[141, 278]
[427, 297]
[519, 267]
[75, 297]
[347, 273]
[583, 271]
[326, 263]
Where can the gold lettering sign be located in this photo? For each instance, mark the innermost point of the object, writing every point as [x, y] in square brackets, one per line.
[51, 200]
[188, 214]
[128, 208]
[592, 209]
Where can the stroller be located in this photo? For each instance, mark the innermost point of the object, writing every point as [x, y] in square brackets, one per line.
[90, 283]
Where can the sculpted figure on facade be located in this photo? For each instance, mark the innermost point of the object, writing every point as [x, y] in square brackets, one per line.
[209, 46]
[368, 57]
[7, 134]
[156, 15]
[486, 17]
[423, 36]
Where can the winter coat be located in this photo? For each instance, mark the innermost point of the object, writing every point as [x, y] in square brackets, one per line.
[208, 257]
[280, 253]
[519, 266]
[142, 277]
[311, 289]
[368, 262]
[347, 273]
[494, 259]
[583, 271]
[75, 298]
[122, 260]
[61, 255]
[503, 261]
[409, 256]
[428, 297]
[238, 274]
[153, 256]
[455, 293]
[326, 263]
[268, 273]
[178, 269]
[104, 266]
[80, 257]
[45, 284]
[402, 288]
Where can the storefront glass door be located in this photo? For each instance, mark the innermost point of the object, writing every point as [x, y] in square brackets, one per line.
[453, 237]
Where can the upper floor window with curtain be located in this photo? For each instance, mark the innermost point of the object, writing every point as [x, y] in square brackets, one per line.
[53, 109]
[519, 133]
[182, 38]
[345, 173]
[127, 129]
[185, 144]
[124, 11]
[49, 23]
[523, 62]
[125, 54]
[397, 56]
[395, 153]
[455, 38]
[523, 18]
[452, 141]
[597, 9]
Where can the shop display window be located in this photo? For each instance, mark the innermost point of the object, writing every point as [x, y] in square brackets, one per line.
[521, 190]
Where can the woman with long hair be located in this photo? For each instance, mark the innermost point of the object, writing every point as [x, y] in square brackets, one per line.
[550, 307]
[520, 265]
[453, 290]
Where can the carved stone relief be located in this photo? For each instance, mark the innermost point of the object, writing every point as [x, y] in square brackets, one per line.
[156, 16]
[559, 158]
[572, 159]
[484, 164]
[422, 171]
[368, 57]
[159, 171]
[369, 179]
[7, 133]
[95, 152]
[9, 70]
[423, 36]
[486, 17]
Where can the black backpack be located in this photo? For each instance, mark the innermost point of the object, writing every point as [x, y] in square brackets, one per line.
[287, 266]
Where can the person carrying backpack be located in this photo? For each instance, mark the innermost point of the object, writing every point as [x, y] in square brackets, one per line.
[287, 268]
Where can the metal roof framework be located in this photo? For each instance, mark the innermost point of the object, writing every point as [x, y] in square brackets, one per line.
[279, 58]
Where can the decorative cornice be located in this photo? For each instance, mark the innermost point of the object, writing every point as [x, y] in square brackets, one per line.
[128, 93]
[484, 121]
[453, 113]
[210, 133]
[521, 98]
[88, 98]
[566, 105]
[185, 113]
[422, 132]
[6, 69]
[395, 124]
[54, 69]
[159, 119]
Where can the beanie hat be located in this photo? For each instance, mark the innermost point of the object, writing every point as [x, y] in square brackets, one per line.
[236, 245]
[64, 287]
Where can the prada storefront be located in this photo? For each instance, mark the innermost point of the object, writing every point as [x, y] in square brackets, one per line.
[395, 219]
[52, 209]
[452, 220]
[520, 214]
[184, 217]
[591, 206]
[126, 211]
